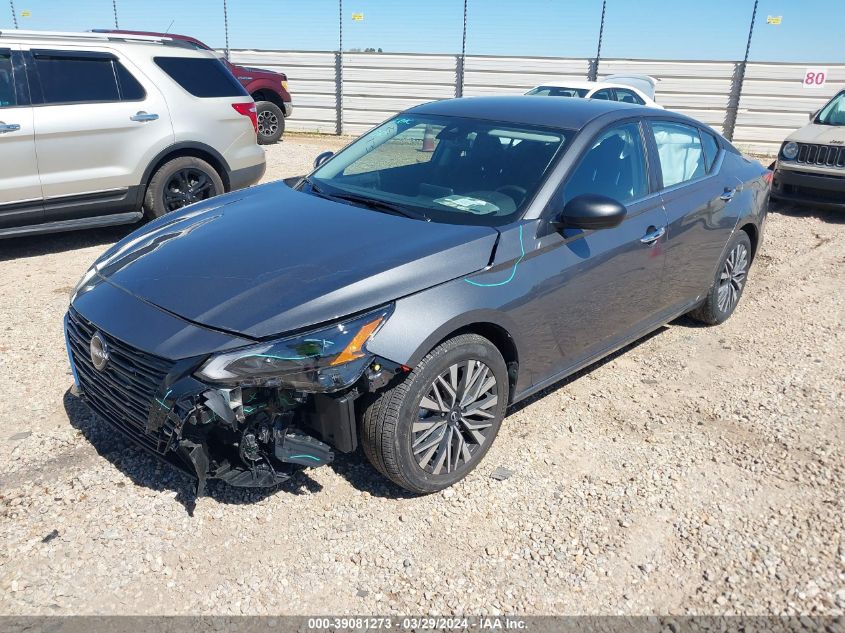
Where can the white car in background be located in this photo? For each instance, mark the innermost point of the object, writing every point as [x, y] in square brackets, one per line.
[636, 89]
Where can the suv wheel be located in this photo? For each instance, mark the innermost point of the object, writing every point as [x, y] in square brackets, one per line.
[271, 122]
[180, 182]
[730, 281]
[430, 430]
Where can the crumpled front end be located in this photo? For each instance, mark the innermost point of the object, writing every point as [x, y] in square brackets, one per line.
[249, 436]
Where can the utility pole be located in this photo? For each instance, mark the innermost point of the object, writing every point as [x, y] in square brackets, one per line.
[14, 13]
[226, 25]
[594, 71]
[736, 93]
[459, 86]
[114, 7]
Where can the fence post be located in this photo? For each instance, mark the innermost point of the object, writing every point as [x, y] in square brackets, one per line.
[338, 70]
[225, 25]
[14, 13]
[594, 66]
[461, 61]
[738, 81]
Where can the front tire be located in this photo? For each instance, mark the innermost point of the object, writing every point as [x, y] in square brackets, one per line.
[180, 182]
[727, 288]
[271, 122]
[433, 428]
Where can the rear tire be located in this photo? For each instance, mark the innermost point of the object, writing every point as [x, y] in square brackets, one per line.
[271, 122]
[731, 277]
[180, 182]
[423, 438]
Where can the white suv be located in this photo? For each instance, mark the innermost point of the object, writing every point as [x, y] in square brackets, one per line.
[99, 129]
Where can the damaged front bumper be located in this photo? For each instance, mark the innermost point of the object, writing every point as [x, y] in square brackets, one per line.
[254, 436]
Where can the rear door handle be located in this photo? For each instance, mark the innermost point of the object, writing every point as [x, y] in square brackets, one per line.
[728, 195]
[9, 127]
[653, 235]
[143, 116]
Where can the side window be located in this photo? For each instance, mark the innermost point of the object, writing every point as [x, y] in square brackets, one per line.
[604, 94]
[203, 77]
[7, 81]
[711, 150]
[614, 166]
[628, 96]
[76, 79]
[680, 151]
[130, 89]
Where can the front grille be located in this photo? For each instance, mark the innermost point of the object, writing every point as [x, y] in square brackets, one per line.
[821, 155]
[122, 392]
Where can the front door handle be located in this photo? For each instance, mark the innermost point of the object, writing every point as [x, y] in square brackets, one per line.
[143, 116]
[728, 195]
[653, 235]
[9, 127]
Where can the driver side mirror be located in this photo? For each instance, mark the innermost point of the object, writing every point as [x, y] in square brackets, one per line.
[322, 158]
[591, 212]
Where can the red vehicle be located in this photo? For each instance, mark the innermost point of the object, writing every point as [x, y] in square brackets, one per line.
[268, 89]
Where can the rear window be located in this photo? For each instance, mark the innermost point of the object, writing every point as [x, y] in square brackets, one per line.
[7, 83]
[202, 77]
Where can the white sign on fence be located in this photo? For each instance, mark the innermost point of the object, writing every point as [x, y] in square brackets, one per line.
[815, 77]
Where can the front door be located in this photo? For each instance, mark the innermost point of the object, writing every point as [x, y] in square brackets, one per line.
[609, 282]
[20, 188]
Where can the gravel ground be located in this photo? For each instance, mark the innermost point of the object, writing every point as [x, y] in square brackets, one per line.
[701, 470]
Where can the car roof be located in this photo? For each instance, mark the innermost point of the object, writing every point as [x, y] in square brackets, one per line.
[553, 112]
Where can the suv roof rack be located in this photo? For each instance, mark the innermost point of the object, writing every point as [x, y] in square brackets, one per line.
[91, 35]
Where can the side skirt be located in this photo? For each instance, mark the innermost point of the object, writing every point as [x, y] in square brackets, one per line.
[73, 225]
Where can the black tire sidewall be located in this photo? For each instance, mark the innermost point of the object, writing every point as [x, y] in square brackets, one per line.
[720, 316]
[420, 383]
[154, 198]
[272, 107]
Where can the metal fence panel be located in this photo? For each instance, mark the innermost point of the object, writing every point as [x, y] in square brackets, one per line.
[774, 102]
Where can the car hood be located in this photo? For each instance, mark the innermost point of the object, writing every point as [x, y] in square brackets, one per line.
[819, 134]
[270, 260]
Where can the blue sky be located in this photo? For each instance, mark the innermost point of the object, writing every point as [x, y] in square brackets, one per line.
[683, 29]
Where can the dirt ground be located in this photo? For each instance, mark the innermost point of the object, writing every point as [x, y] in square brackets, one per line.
[700, 470]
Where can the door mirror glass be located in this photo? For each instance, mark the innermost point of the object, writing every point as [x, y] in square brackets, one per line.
[591, 212]
[322, 158]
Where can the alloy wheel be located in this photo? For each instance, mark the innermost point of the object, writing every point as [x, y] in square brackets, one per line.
[454, 418]
[732, 278]
[187, 186]
[268, 123]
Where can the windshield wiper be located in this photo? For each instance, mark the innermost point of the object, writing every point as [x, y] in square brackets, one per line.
[374, 203]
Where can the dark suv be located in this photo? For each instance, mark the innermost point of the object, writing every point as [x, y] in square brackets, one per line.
[268, 89]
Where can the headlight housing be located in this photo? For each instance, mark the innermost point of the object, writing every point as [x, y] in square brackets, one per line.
[327, 359]
[790, 150]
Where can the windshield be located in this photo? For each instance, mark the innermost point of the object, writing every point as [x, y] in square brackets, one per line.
[557, 91]
[834, 112]
[442, 169]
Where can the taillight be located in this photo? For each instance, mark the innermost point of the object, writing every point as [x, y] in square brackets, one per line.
[768, 176]
[248, 109]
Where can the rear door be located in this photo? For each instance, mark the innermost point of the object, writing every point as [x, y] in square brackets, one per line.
[98, 123]
[20, 188]
[698, 196]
